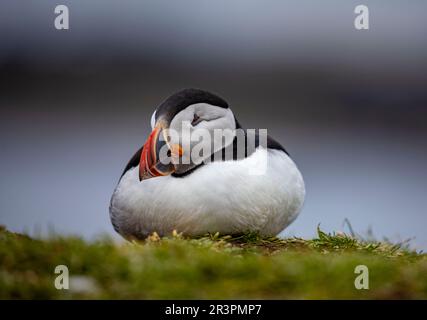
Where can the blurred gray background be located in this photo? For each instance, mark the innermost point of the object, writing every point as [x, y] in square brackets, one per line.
[350, 106]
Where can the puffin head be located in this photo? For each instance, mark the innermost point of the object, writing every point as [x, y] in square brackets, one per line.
[187, 128]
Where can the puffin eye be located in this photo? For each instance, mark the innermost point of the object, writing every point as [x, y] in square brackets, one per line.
[196, 120]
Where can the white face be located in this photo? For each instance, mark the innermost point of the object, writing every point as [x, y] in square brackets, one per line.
[153, 120]
[201, 129]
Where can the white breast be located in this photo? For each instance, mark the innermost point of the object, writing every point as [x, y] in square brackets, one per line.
[226, 197]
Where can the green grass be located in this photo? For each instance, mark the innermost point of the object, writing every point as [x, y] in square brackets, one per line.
[211, 267]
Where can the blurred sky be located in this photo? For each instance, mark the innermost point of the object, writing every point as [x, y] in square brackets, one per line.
[350, 106]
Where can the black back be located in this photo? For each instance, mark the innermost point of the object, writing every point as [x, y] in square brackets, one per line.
[181, 100]
[184, 98]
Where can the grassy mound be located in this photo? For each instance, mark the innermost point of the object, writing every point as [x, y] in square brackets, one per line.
[211, 267]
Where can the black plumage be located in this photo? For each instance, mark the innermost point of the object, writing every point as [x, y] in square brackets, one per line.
[181, 100]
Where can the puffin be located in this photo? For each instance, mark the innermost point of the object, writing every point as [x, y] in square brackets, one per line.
[254, 187]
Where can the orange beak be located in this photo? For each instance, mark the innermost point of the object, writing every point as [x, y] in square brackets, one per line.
[149, 164]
